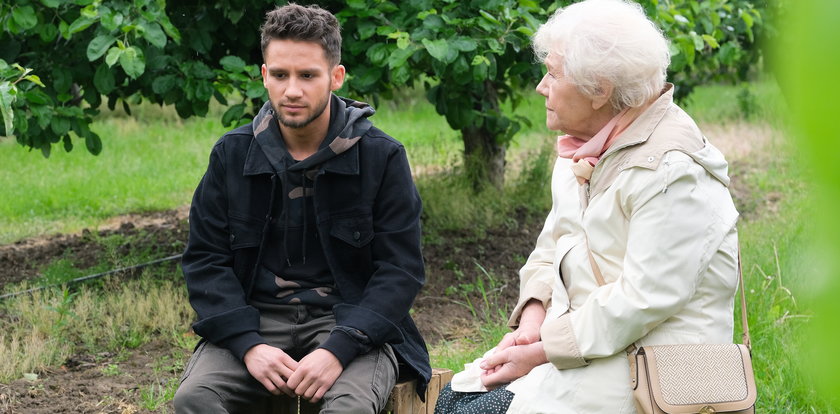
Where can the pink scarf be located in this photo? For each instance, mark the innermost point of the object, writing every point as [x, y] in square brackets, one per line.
[586, 154]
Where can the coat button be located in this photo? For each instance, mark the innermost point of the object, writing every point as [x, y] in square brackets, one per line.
[650, 159]
[356, 235]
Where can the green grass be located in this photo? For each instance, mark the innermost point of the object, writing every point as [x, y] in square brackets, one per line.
[759, 101]
[145, 166]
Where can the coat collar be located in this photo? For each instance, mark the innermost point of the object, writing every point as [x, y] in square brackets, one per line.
[641, 129]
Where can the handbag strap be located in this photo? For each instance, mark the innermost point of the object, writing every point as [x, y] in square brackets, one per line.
[745, 336]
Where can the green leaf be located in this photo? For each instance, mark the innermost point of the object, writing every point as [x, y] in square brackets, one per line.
[403, 40]
[366, 29]
[51, 3]
[154, 34]
[25, 17]
[60, 125]
[489, 17]
[377, 53]
[255, 90]
[233, 63]
[356, 4]
[93, 143]
[747, 18]
[464, 44]
[110, 19]
[441, 50]
[202, 71]
[7, 98]
[103, 79]
[37, 96]
[47, 32]
[697, 40]
[133, 62]
[163, 84]
[400, 56]
[80, 24]
[98, 46]
[204, 90]
[114, 54]
[711, 41]
[233, 114]
[34, 79]
[68, 143]
[170, 29]
[63, 28]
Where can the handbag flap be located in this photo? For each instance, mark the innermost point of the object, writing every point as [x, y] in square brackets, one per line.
[686, 378]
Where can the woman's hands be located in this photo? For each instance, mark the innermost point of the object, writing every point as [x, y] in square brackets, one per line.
[519, 351]
[511, 363]
[528, 332]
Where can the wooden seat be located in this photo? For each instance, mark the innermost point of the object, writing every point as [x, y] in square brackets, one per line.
[403, 398]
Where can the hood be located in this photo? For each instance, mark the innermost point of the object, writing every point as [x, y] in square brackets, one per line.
[348, 123]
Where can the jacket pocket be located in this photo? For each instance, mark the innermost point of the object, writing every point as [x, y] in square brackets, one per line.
[245, 231]
[356, 231]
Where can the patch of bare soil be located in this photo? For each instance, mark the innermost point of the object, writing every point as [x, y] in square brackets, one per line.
[108, 383]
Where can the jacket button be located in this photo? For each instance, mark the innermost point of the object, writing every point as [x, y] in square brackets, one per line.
[356, 235]
[232, 238]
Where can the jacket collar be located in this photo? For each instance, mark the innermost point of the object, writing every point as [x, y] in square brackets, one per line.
[641, 129]
[267, 132]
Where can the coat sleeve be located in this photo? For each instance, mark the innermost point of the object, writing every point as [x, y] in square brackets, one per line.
[398, 269]
[215, 292]
[674, 228]
[538, 276]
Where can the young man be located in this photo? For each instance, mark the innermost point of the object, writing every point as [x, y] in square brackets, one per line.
[304, 251]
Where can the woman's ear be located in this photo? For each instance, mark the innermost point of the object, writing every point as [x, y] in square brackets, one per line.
[602, 97]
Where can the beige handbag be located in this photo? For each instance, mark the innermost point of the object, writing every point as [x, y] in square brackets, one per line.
[699, 378]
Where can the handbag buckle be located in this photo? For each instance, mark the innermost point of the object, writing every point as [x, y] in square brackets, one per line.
[707, 410]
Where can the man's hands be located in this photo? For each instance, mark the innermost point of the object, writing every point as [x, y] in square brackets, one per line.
[315, 374]
[279, 373]
[271, 367]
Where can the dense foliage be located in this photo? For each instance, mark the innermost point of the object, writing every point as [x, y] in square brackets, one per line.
[61, 60]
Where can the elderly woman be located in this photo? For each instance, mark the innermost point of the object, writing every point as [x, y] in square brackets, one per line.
[640, 246]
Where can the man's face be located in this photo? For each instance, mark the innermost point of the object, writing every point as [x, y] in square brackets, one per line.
[299, 81]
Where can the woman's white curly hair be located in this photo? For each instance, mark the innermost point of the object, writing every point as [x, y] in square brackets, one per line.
[607, 41]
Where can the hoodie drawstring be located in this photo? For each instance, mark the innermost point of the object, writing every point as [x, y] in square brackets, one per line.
[286, 208]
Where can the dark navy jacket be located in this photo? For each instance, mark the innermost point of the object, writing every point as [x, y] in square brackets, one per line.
[368, 222]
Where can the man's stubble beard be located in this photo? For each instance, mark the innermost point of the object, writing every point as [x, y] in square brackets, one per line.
[322, 106]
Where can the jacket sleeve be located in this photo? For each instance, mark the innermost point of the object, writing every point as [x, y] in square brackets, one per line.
[398, 270]
[674, 228]
[538, 276]
[214, 290]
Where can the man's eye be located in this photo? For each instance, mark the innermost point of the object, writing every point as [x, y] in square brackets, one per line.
[279, 75]
[306, 76]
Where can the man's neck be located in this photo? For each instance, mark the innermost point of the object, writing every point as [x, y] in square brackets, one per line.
[303, 142]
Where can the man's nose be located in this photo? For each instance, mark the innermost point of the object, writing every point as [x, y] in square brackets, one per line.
[293, 88]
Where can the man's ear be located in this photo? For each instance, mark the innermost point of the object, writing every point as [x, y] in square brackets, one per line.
[337, 77]
[264, 72]
[605, 91]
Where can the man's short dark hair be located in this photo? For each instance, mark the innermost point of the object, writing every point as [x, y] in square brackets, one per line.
[308, 24]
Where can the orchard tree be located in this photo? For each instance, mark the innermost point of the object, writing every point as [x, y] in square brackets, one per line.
[61, 60]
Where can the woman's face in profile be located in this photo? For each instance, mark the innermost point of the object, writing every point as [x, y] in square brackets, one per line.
[566, 108]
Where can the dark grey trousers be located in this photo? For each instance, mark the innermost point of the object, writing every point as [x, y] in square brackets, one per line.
[215, 381]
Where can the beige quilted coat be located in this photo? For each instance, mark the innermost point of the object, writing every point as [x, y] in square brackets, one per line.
[661, 226]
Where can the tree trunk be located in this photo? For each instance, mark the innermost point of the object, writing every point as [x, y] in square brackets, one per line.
[484, 157]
